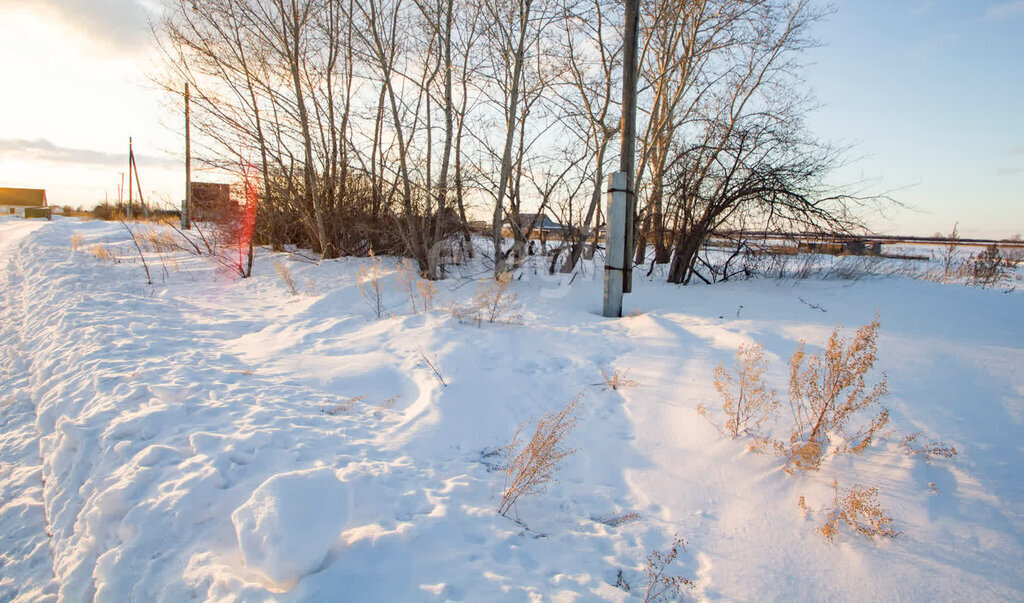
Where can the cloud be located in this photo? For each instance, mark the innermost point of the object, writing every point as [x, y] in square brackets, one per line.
[922, 8]
[1005, 10]
[1009, 171]
[44, 150]
[120, 24]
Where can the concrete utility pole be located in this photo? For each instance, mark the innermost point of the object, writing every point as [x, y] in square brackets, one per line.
[186, 205]
[618, 270]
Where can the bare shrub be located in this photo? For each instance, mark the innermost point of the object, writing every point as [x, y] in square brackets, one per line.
[492, 302]
[660, 585]
[988, 268]
[747, 402]
[368, 283]
[616, 380]
[950, 260]
[929, 449]
[829, 395]
[859, 508]
[530, 467]
[286, 277]
[76, 241]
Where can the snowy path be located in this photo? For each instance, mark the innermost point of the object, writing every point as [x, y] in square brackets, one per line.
[170, 418]
[26, 564]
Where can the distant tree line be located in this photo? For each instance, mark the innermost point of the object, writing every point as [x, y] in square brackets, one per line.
[382, 123]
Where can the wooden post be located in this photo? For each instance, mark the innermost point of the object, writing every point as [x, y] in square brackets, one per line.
[618, 269]
[131, 162]
[186, 206]
[138, 184]
[627, 156]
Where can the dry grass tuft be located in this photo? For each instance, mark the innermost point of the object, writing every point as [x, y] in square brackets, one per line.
[159, 241]
[492, 303]
[530, 467]
[102, 253]
[285, 274]
[368, 283]
[417, 288]
[76, 241]
[615, 380]
[859, 508]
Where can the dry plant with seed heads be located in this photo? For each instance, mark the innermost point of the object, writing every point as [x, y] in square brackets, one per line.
[368, 283]
[828, 395]
[859, 508]
[802, 504]
[616, 380]
[415, 287]
[747, 402]
[661, 586]
[76, 241]
[492, 302]
[389, 403]
[615, 520]
[427, 291]
[530, 467]
[286, 277]
[342, 407]
[929, 449]
[407, 277]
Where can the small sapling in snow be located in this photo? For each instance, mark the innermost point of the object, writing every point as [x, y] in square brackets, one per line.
[747, 402]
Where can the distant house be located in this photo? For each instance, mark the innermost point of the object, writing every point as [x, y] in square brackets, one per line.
[211, 202]
[24, 202]
[540, 223]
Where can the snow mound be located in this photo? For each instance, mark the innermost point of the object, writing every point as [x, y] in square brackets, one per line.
[290, 522]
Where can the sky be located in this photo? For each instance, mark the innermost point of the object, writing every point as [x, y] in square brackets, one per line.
[928, 95]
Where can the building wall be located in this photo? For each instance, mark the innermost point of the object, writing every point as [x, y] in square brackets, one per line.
[22, 197]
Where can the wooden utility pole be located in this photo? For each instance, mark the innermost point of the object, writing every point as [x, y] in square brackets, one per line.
[131, 162]
[186, 206]
[618, 269]
[630, 71]
[138, 184]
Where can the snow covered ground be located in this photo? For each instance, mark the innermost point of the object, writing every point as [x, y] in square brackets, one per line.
[207, 437]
